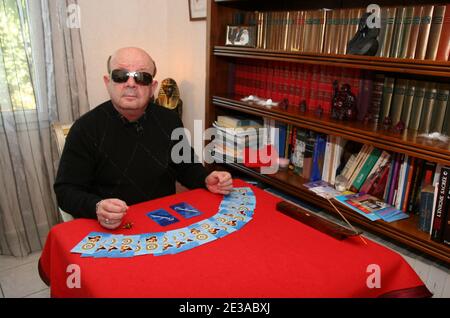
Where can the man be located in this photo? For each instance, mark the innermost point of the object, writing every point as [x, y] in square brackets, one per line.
[120, 152]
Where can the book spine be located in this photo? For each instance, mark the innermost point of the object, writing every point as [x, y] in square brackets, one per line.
[435, 32]
[414, 34]
[388, 90]
[408, 102]
[397, 100]
[388, 33]
[441, 206]
[365, 170]
[406, 34]
[424, 32]
[443, 51]
[397, 32]
[440, 107]
[428, 108]
[426, 208]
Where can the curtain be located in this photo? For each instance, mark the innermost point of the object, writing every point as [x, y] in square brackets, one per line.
[42, 80]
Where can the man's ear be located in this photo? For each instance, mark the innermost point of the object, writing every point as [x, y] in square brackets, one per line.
[106, 80]
[154, 87]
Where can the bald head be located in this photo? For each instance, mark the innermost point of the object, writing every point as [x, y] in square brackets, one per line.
[135, 54]
[130, 97]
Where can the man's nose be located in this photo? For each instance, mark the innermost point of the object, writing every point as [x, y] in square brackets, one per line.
[130, 82]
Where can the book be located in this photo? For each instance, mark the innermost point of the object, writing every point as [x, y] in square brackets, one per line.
[387, 30]
[397, 100]
[371, 207]
[443, 51]
[429, 102]
[426, 208]
[308, 154]
[414, 34]
[388, 91]
[440, 107]
[235, 122]
[397, 32]
[365, 169]
[446, 124]
[424, 32]
[406, 32]
[376, 172]
[435, 32]
[441, 205]
[408, 102]
[417, 105]
[318, 158]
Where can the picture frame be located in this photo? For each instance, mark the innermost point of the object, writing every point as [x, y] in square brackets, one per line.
[197, 10]
[241, 35]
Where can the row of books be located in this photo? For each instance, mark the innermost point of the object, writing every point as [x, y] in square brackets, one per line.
[398, 180]
[295, 82]
[414, 32]
[420, 105]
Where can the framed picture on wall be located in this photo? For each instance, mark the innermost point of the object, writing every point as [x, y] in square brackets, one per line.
[197, 10]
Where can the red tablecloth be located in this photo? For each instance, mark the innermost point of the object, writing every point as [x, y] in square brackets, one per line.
[272, 256]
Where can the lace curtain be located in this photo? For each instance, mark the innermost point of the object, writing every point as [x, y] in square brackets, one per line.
[42, 80]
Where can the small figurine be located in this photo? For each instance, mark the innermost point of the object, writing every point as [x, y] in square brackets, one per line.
[387, 122]
[303, 106]
[365, 40]
[284, 104]
[169, 96]
[400, 127]
[343, 103]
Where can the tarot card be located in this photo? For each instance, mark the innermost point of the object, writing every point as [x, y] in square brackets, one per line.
[239, 192]
[89, 244]
[220, 220]
[186, 210]
[182, 240]
[102, 248]
[162, 217]
[200, 236]
[127, 245]
[213, 227]
[112, 246]
[233, 219]
[240, 209]
[151, 243]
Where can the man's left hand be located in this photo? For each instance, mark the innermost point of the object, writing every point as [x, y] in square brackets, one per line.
[219, 182]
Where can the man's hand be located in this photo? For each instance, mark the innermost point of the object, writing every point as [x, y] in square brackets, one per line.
[110, 213]
[219, 182]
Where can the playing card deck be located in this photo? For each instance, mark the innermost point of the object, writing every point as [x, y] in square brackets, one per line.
[235, 211]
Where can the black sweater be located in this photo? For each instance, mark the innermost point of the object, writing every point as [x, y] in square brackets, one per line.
[106, 156]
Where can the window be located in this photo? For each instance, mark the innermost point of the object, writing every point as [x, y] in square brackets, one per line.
[16, 89]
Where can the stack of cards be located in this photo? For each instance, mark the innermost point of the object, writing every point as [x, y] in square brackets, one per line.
[235, 211]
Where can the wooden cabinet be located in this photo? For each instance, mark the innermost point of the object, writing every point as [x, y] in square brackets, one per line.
[221, 98]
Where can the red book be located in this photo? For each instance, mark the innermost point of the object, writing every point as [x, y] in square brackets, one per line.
[444, 41]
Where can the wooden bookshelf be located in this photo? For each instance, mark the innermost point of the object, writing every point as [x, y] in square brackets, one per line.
[383, 64]
[407, 142]
[404, 231]
[221, 99]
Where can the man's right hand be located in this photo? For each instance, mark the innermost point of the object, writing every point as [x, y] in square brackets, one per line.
[110, 213]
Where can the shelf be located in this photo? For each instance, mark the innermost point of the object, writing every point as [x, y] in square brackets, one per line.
[408, 142]
[404, 231]
[402, 66]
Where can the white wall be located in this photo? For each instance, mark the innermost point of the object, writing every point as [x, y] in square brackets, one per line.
[160, 27]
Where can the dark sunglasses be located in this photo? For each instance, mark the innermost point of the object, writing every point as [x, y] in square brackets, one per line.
[141, 78]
